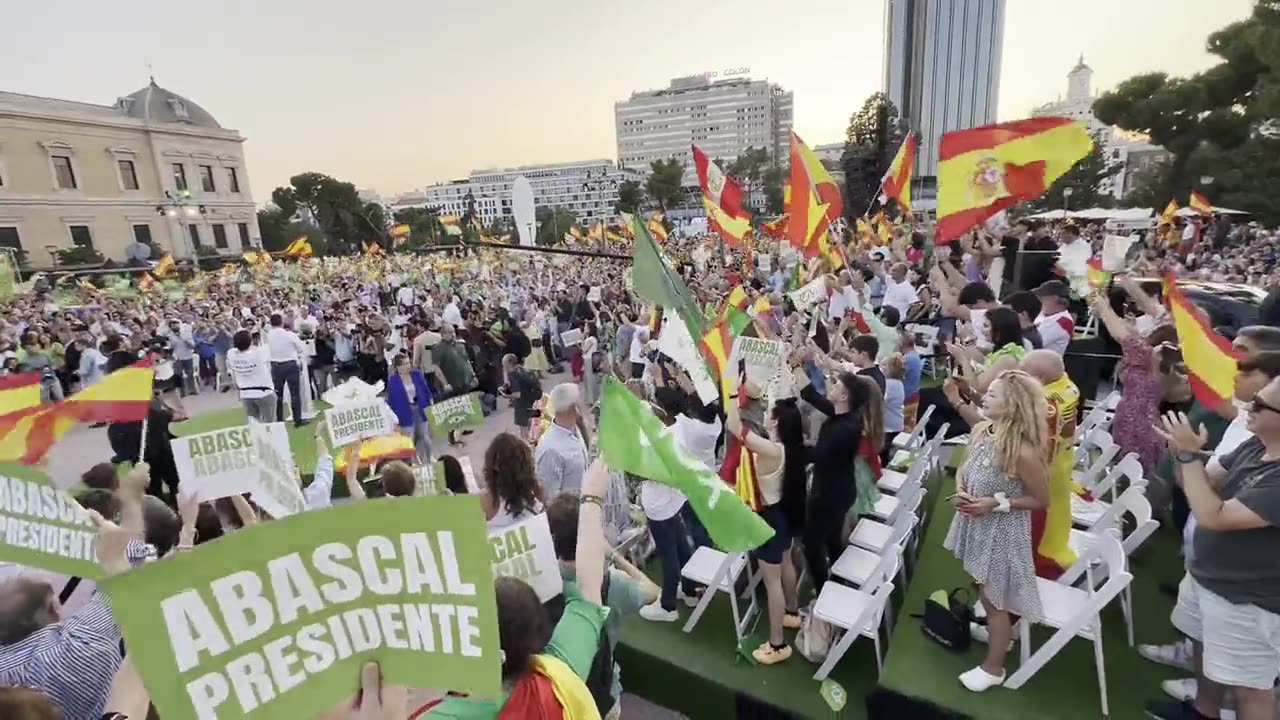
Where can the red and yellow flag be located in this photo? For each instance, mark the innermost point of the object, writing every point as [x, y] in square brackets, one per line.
[984, 170]
[1170, 212]
[596, 231]
[165, 267]
[123, 396]
[1200, 203]
[372, 248]
[299, 248]
[1210, 359]
[656, 228]
[146, 283]
[776, 228]
[575, 231]
[896, 183]
[1098, 278]
[18, 393]
[732, 229]
[718, 188]
[814, 201]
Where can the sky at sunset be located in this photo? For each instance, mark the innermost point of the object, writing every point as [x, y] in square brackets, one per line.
[393, 94]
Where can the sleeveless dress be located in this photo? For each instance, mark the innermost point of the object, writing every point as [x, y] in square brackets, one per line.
[996, 548]
[537, 360]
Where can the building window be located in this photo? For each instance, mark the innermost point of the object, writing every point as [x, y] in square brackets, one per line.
[244, 234]
[233, 179]
[219, 237]
[206, 179]
[128, 174]
[179, 177]
[9, 238]
[142, 234]
[194, 232]
[63, 172]
[81, 237]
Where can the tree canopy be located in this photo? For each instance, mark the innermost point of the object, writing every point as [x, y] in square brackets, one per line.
[1089, 180]
[630, 197]
[553, 224]
[872, 139]
[337, 209]
[665, 183]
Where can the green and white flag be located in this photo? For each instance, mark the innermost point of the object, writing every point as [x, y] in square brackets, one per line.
[633, 440]
[455, 413]
[44, 527]
[276, 620]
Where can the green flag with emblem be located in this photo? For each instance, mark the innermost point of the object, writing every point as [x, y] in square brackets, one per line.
[633, 440]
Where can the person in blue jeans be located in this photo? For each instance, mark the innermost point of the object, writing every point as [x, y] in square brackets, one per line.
[663, 506]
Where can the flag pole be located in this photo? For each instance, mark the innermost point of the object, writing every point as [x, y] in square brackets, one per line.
[142, 444]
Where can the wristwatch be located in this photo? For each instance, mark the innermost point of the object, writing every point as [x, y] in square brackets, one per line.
[1184, 457]
[1002, 503]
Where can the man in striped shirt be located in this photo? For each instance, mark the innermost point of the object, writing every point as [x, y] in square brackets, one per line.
[72, 660]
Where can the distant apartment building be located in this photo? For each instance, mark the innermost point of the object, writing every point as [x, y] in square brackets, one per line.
[723, 116]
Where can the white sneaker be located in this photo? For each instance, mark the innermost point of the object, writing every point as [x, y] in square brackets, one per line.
[689, 600]
[1180, 690]
[977, 679]
[1179, 655]
[655, 612]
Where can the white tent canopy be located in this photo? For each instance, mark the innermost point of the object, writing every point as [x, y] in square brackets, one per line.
[1186, 211]
[1125, 214]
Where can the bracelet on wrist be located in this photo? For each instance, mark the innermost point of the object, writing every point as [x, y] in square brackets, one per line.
[592, 500]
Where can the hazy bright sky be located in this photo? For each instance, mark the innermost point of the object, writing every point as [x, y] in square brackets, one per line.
[396, 94]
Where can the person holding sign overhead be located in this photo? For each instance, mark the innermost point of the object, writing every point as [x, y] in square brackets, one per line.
[409, 396]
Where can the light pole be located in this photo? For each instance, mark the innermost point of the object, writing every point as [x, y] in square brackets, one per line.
[179, 206]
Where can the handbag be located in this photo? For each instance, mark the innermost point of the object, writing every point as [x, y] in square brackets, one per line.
[814, 638]
[947, 617]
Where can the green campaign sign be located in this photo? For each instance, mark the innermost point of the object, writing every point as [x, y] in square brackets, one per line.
[455, 413]
[429, 479]
[357, 421]
[44, 527]
[275, 620]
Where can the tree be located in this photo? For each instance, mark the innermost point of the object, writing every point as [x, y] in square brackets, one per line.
[553, 224]
[773, 195]
[273, 224]
[666, 183]
[750, 169]
[1088, 180]
[1221, 108]
[424, 226]
[335, 207]
[630, 197]
[875, 132]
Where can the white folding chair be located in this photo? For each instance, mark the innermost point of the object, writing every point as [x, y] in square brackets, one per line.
[1092, 419]
[887, 505]
[857, 612]
[875, 536]
[1133, 502]
[892, 481]
[860, 567]
[916, 437]
[1086, 513]
[1094, 456]
[1075, 612]
[719, 571]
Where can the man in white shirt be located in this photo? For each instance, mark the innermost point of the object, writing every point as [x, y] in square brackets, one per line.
[1056, 324]
[250, 367]
[843, 298]
[898, 291]
[405, 296]
[286, 351]
[452, 314]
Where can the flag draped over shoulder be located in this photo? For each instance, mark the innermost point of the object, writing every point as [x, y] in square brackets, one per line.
[986, 169]
[123, 396]
[633, 440]
[814, 201]
[1200, 203]
[1210, 360]
[897, 181]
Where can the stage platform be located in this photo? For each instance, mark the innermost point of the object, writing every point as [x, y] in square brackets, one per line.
[701, 675]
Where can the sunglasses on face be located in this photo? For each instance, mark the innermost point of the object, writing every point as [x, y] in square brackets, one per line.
[1259, 405]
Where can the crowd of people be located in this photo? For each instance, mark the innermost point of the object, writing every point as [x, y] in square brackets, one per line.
[989, 312]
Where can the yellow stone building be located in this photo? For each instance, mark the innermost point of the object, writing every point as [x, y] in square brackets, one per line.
[153, 168]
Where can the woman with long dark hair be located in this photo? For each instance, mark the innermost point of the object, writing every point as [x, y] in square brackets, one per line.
[511, 489]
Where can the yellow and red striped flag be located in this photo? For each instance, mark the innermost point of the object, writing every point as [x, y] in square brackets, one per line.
[1170, 212]
[164, 267]
[372, 248]
[18, 393]
[575, 231]
[1210, 359]
[123, 396]
[1200, 203]
[1098, 278]
[777, 228]
[986, 169]
[814, 202]
[896, 183]
[299, 248]
[656, 228]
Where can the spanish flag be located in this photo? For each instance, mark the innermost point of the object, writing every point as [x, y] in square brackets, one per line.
[656, 228]
[371, 248]
[896, 183]
[1211, 362]
[575, 231]
[376, 450]
[596, 231]
[164, 267]
[1170, 212]
[18, 393]
[123, 396]
[718, 189]
[1098, 278]
[987, 169]
[732, 229]
[776, 228]
[739, 470]
[814, 202]
[299, 248]
[1200, 203]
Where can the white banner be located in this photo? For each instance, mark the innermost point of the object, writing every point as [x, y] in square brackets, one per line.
[524, 551]
[676, 343]
[571, 337]
[218, 463]
[763, 359]
[279, 492]
[810, 295]
[357, 421]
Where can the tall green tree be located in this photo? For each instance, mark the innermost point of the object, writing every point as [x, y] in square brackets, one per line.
[773, 193]
[750, 169]
[630, 197]
[1088, 179]
[553, 224]
[665, 183]
[424, 226]
[875, 131]
[273, 225]
[1220, 109]
[336, 208]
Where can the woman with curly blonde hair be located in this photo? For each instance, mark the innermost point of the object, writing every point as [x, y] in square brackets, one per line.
[511, 489]
[1003, 479]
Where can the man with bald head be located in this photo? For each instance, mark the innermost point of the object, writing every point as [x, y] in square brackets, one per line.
[1051, 527]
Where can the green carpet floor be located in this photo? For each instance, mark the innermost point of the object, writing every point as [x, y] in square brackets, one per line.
[1067, 687]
